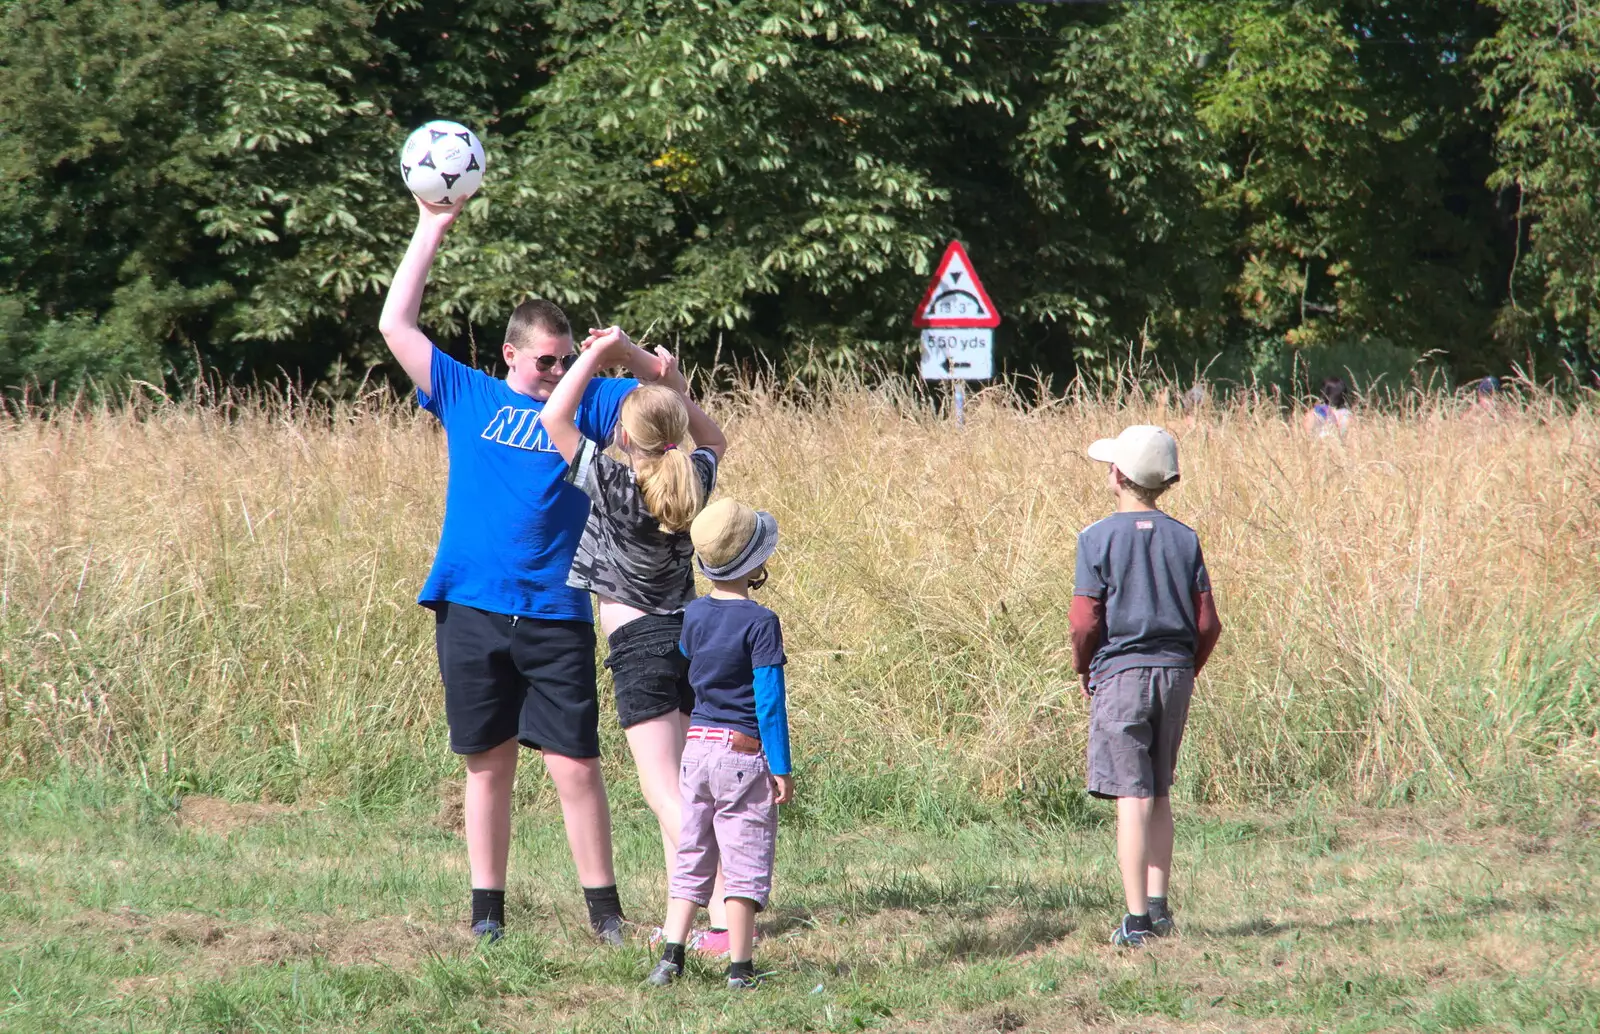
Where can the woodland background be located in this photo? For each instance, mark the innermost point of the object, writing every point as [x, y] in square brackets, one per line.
[1247, 187]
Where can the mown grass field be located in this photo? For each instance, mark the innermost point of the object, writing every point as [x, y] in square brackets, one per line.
[227, 800]
[119, 913]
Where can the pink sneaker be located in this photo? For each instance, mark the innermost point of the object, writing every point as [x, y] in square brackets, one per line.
[695, 937]
[714, 943]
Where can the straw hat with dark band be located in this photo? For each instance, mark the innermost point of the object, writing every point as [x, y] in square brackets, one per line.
[731, 540]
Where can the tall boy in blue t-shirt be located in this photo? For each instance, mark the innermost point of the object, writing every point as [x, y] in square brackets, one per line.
[515, 642]
[1143, 623]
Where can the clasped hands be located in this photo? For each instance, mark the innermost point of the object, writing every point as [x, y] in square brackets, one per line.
[614, 350]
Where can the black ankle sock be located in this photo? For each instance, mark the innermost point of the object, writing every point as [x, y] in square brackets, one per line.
[603, 903]
[673, 953]
[1139, 923]
[742, 970]
[1158, 906]
[488, 904]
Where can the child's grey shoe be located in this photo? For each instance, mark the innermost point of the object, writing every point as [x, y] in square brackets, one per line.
[1161, 924]
[665, 973]
[487, 931]
[742, 976]
[1125, 936]
[609, 930]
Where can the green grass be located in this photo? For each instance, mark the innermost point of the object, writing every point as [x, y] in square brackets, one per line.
[120, 911]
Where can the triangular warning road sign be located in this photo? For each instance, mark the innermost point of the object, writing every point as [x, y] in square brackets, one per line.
[956, 297]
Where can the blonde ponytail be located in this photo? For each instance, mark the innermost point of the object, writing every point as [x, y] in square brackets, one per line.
[657, 423]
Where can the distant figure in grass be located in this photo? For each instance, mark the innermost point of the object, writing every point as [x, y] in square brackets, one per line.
[635, 556]
[515, 641]
[1485, 403]
[1332, 415]
[736, 767]
[1143, 624]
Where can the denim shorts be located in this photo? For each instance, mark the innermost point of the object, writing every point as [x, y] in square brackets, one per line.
[1136, 722]
[729, 818]
[650, 673]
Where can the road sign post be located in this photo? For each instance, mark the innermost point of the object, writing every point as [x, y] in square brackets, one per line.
[957, 318]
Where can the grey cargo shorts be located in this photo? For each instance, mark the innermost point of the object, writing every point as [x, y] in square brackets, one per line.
[1136, 720]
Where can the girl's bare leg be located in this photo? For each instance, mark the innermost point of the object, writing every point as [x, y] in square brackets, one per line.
[657, 748]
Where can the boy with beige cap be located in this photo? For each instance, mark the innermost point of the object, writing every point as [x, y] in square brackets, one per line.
[736, 767]
[1143, 624]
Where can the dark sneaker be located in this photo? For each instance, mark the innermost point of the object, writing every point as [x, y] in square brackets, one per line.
[664, 973]
[487, 931]
[1161, 924]
[609, 930]
[1126, 937]
[744, 983]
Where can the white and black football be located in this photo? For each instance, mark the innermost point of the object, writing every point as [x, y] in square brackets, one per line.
[443, 162]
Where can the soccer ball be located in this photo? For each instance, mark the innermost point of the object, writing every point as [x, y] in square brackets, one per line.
[443, 162]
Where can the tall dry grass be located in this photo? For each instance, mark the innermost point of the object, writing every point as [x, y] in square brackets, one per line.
[219, 595]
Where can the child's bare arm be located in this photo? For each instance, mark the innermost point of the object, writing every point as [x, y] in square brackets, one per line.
[704, 430]
[398, 324]
[560, 415]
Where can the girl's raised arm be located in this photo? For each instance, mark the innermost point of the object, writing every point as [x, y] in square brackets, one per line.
[703, 429]
[560, 415]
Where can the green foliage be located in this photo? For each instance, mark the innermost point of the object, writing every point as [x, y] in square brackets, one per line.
[191, 184]
[1539, 82]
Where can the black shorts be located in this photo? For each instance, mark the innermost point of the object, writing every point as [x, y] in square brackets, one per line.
[650, 673]
[528, 679]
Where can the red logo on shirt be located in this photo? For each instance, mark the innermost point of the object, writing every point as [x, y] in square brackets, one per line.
[1144, 525]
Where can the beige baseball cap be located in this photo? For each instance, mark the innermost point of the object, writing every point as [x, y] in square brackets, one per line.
[1147, 455]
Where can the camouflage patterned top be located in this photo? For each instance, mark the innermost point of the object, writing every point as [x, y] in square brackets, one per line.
[624, 555]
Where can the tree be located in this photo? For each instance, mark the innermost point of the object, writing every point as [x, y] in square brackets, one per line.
[1540, 83]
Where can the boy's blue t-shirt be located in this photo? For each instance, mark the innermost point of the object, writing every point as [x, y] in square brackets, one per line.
[511, 522]
[1147, 567]
[726, 641]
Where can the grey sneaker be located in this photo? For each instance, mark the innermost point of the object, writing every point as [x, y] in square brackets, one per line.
[1125, 937]
[664, 973]
[749, 983]
[609, 930]
[1161, 924]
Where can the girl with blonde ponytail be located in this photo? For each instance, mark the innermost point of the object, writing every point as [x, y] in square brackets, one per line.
[654, 420]
[636, 555]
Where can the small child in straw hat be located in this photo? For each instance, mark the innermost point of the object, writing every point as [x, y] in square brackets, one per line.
[736, 767]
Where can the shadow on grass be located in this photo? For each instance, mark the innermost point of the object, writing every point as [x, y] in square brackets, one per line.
[970, 897]
[968, 941]
[1264, 927]
[775, 922]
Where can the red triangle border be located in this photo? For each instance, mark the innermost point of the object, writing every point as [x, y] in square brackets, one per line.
[963, 322]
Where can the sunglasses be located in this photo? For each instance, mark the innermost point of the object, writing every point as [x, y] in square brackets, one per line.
[546, 363]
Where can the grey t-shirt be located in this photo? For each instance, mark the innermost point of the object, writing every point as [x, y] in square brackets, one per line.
[624, 555]
[1147, 568]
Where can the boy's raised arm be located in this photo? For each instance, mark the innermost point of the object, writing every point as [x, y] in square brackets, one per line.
[398, 324]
